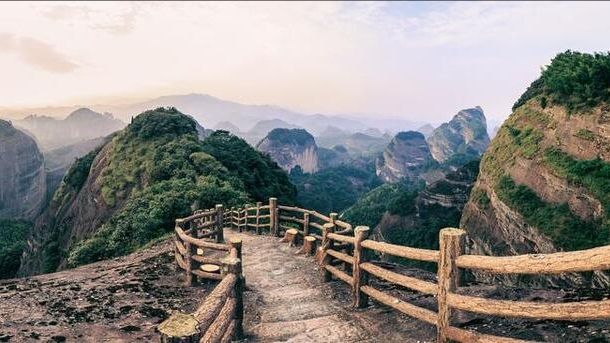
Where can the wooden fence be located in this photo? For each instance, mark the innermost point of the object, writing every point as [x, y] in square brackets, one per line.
[344, 253]
[219, 317]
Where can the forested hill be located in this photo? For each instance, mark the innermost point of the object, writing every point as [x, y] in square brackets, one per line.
[129, 191]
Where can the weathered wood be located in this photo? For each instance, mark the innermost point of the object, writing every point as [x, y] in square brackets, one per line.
[219, 224]
[211, 306]
[206, 260]
[219, 326]
[451, 246]
[180, 261]
[191, 264]
[291, 219]
[273, 220]
[229, 333]
[319, 216]
[179, 328]
[232, 218]
[290, 237]
[462, 335]
[305, 224]
[327, 244]
[258, 219]
[402, 251]
[200, 242]
[582, 310]
[401, 280]
[210, 268]
[205, 275]
[360, 276]
[309, 246]
[180, 247]
[402, 306]
[292, 209]
[341, 238]
[316, 225]
[339, 274]
[236, 245]
[341, 256]
[561, 262]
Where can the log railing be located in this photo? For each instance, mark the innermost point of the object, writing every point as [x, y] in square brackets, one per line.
[345, 254]
[219, 317]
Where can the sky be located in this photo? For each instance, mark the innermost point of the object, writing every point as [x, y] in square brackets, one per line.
[414, 60]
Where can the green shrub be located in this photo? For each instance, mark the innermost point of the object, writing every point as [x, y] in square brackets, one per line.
[585, 134]
[575, 80]
[13, 237]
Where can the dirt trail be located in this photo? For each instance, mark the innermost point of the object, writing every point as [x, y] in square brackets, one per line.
[287, 301]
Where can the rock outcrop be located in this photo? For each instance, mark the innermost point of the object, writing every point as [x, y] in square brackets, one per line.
[465, 135]
[291, 148]
[22, 175]
[80, 125]
[406, 157]
[543, 182]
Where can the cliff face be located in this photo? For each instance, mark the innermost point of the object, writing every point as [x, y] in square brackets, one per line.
[291, 148]
[543, 182]
[22, 175]
[407, 156]
[465, 134]
[416, 222]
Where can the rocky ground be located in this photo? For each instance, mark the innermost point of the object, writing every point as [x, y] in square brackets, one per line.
[120, 300]
[123, 300]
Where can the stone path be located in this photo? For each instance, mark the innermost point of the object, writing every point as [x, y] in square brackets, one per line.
[287, 301]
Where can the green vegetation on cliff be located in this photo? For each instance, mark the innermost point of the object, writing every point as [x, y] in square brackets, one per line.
[575, 80]
[262, 177]
[13, 235]
[555, 220]
[157, 170]
[333, 189]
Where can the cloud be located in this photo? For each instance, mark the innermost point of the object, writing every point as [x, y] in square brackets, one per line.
[36, 53]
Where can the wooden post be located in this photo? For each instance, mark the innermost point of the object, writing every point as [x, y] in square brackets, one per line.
[232, 217]
[235, 242]
[305, 224]
[451, 246]
[239, 228]
[333, 217]
[258, 219]
[191, 264]
[220, 224]
[327, 243]
[273, 222]
[360, 276]
[233, 265]
[179, 327]
[309, 246]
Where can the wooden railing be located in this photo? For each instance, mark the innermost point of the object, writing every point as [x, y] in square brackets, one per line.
[219, 317]
[345, 254]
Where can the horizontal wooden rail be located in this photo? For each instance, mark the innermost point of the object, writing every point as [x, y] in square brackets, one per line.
[319, 216]
[207, 260]
[402, 251]
[341, 238]
[561, 262]
[217, 329]
[200, 242]
[292, 209]
[316, 225]
[399, 279]
[341, 275]
[343, 257]
[462, 335]
[582, 310]
[206, 275]
[402, 306]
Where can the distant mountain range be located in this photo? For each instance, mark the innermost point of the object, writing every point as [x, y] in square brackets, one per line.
[210, 111]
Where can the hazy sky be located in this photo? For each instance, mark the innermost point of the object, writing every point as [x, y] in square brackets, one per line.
[413, 60]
